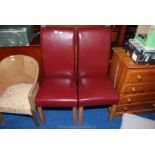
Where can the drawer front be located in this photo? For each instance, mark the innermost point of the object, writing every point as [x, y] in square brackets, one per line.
[139, 76]
[136, 107]
[142, 97]
[138, 88]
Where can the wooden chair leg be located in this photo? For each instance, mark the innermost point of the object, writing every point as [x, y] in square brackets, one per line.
[80, 115]
[113, 108]
[41, 115]
[35, 119]
[2, 120]
[74, 114]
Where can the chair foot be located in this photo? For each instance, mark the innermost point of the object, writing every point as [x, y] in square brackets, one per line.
[74, 114]
[35, 119]
[80, 115]
[2, 120]
[41, 115]
[113, 108]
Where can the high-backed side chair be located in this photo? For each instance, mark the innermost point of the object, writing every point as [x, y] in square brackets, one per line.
[59, 87]
[94, 87]
[18, 85]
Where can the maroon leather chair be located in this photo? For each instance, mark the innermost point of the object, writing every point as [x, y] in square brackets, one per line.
[94, 87]
[59, 87]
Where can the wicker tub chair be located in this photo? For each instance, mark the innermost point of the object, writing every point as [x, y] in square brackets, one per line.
[18, 86]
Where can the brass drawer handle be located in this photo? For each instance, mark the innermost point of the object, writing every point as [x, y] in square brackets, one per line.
[153, 105]
[129, 100]
[139, 77]
[133, 89]
[125, 108]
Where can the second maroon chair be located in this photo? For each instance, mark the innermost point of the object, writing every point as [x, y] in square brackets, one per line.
[94, 87]
[59, 87]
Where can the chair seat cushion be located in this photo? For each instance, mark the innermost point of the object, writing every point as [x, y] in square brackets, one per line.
[57, 93]
[15, 99]
[96, 91]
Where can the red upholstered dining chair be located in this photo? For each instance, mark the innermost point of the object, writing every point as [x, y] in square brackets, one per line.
[58, 88]
[94, 87]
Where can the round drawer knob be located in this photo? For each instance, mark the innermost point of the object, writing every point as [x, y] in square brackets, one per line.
[129, 100]
[133, 89]
[125, 108]
[153, 105]
[128, 53]
[139, 77]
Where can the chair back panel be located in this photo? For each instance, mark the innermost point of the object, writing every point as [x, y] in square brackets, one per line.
[57, 45]
[31, 67]
[17, 69]
[93, 51]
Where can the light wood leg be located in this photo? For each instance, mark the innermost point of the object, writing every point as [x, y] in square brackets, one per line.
[41, 115]
[80, 115]
[113, 108]
[2, 120]
[35, 119]
[74, 114]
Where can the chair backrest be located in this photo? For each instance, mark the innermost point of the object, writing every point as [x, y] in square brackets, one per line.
[93, 51]
[57, 45]
[18, 69]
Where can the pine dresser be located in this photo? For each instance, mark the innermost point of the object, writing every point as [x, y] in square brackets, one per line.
[134, 83]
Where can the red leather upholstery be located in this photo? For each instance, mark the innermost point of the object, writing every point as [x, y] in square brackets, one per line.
[96, 91]
[57, 45]
[58, 88]
[57, 93]
[94, 50]
[93, 61]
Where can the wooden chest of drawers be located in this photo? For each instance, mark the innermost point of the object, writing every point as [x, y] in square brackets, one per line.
[134, 83]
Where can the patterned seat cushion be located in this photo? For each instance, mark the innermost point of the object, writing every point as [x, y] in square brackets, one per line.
[15, 99]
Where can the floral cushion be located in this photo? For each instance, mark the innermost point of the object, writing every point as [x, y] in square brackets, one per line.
[15, 99]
